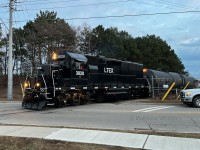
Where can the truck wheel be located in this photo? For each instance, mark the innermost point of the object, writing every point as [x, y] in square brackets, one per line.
[196, 102]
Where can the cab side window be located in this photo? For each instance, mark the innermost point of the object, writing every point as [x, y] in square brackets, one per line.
[77, 65]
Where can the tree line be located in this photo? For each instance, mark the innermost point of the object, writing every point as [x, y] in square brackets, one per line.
[34, 43]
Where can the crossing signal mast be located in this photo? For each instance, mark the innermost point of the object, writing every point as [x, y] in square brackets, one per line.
[10, 54]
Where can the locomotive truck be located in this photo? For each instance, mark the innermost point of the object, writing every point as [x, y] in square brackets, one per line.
[74, 79]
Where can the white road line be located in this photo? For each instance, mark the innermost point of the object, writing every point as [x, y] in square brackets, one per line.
[147, 108]
[158, 109]
[152, 108]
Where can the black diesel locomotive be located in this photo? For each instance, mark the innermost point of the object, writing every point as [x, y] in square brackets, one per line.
[75, 78]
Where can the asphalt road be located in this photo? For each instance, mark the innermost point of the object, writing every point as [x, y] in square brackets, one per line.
[123, 115]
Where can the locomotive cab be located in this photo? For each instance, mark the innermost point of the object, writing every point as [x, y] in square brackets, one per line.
[64, 81]
[73, 70]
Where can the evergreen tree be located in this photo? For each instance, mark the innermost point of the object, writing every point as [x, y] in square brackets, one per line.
[157, 54]
[47, 33]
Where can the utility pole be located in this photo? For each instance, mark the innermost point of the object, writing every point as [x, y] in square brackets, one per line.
[10, 55]
[5, 67]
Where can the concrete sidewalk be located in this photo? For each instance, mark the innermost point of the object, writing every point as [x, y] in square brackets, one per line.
[102, 137]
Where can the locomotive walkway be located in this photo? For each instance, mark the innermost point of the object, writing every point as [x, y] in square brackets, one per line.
[131, 140]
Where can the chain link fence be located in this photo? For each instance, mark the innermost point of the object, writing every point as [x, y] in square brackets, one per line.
[159, 87]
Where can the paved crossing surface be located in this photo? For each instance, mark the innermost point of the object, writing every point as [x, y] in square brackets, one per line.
[123, 115]
[117, 116]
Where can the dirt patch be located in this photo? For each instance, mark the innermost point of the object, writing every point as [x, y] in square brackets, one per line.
[16, 143]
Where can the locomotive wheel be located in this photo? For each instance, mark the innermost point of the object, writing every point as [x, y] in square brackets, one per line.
[100, 98]
[57, 102]
[83, 101]
[196, 102]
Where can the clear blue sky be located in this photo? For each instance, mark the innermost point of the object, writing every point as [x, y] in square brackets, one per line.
[180, 30]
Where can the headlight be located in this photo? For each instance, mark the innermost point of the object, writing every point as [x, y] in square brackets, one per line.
[188, 93]
[37, 84]
[54, 56]
[26, 84]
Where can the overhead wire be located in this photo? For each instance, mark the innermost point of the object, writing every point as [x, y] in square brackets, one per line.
[176, 4]
[103, 3]
[50, 2]
[84, 5]
[180, 6]
[159, 1]
[33, 36]
[131, 15]
[112, 2]
[128, 15]
[149, 3]
[45, 0]
[23, 36]
[4, 24]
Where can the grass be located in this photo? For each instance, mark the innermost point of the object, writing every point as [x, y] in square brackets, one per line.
[16, 143]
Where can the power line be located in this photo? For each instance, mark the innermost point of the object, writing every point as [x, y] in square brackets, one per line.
[48, 2]
[84, 5]
[4, 24]
[44, 0]
[176, 5]
[104, 3]
[3, 6]
[32, 34]
[165, 2]
[128, 15]
[121, 16]
[154, 4]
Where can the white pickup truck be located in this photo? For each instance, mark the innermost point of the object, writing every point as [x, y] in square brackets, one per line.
[191, 97]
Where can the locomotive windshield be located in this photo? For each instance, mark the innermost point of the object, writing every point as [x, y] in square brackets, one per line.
[69, 59]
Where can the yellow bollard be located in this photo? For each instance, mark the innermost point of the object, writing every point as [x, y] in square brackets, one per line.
[168, 91]
[183, 89]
